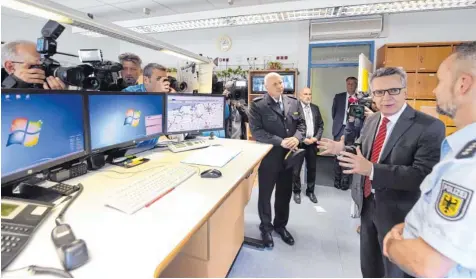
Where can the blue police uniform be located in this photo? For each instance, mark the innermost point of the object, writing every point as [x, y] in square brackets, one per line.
[445, 215]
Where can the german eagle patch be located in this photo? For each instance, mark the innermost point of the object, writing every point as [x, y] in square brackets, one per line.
[453, 201]
[468, 151]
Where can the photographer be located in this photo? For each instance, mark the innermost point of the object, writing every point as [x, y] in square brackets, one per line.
[235, 124]
[155, 80]
[131, 68]
[18, 57]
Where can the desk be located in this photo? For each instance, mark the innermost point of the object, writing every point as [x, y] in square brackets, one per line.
[194, 231]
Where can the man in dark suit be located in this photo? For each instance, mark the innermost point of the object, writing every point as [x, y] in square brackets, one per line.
[339, 116]
[399, 147]
[275, 119]
[314, 129]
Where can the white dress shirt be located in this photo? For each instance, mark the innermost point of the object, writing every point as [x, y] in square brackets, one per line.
[391, 123]
[309, 120]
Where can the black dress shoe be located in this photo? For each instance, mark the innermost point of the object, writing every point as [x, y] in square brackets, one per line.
[267, 239]
[312, 197]
[285, 235]
[297, 198]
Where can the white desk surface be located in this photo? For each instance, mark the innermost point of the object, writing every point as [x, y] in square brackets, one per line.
[133, 246]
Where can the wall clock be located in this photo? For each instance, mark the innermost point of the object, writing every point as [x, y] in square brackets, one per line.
[224, 43]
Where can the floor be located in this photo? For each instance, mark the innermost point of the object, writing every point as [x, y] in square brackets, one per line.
[327, 244]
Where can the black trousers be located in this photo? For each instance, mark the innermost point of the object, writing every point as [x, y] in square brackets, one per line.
[337, 168]
[376, 222]
[270, 174]
[310, 157]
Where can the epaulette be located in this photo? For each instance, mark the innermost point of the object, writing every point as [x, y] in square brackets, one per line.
[257, 99]
[468, 150]
[291, 96]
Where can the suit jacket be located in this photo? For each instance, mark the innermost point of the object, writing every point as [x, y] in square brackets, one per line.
[410, 153]
[338, 112]
[316, 118]
[269, 125]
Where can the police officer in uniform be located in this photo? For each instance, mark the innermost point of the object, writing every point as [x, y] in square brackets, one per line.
[275, 119]
[438, 237]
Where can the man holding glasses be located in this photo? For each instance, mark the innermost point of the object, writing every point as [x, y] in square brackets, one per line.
[397, 149]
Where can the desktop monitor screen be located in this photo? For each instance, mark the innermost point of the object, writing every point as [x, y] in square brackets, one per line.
[40, 131]
[120, 120]
[194, 113]
[288, 82]
[258, 84]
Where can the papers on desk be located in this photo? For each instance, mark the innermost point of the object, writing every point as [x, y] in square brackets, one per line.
[213, 156]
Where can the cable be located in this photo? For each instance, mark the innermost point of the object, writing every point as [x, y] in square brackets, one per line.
[59, 219]
[34, 269]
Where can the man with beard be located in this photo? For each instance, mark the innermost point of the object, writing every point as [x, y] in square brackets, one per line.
[131, 68]
[438, 238]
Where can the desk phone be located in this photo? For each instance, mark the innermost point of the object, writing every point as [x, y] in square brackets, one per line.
[20, 218]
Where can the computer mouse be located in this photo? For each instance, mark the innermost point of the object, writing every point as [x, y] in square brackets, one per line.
[211, 173]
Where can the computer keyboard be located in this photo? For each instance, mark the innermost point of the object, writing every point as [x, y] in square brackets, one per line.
[188, 145]
[132, 197]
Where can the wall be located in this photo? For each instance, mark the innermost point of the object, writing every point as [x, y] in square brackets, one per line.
[273, 40]
[16, 27]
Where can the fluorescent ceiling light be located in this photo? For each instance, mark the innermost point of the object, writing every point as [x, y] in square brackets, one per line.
[308, 14]
[25, 8]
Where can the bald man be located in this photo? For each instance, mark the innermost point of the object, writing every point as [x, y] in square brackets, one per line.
[275, 119]
[314, 129]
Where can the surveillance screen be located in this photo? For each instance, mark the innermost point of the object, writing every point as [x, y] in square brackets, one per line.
[288, 82]
[258, 84]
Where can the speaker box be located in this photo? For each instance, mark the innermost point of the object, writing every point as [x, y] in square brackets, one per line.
[96, 161]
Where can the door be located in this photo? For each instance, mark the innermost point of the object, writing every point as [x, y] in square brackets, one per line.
[425, 84]
[405, 57]
[430, 58]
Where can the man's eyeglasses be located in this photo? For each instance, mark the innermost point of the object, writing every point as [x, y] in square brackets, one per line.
[390, 91]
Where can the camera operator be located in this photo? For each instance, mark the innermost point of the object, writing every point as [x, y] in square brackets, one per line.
[131, 68]
[18, 57]
[235, 124]
[155, 80]
[351, 134]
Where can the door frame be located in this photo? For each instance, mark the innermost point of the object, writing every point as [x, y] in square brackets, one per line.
[336, 65]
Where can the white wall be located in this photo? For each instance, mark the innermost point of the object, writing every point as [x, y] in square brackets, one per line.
[29, 28]
[273, 40]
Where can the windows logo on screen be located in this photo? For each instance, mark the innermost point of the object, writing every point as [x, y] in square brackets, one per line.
[132, 118]
[24, 132]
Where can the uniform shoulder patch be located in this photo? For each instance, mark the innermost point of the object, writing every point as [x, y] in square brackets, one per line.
[468, 150]
[453, 201]
[257, 99]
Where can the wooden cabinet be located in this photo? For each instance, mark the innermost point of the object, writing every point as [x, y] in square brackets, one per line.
[405, 57]
[430, 57]
[450, 130]
[411, 85]
[428, 107]
[425, 84]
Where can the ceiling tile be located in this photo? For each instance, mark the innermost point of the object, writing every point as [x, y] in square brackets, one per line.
[99, 10]
[185, 6]
[138, 5]
[75, 4]
[116, 1]
[223, 4]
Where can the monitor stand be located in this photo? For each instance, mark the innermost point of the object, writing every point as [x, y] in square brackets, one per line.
[119, 158]
[29, 191]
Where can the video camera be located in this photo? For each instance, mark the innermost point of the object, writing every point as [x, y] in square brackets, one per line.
[358, 104]
[238, 90]
[97, 76]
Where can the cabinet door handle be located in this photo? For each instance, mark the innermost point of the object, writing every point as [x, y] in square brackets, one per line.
[421, 59]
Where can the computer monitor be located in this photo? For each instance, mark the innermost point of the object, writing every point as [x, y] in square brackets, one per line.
[40, 130]
[288, 81]
[187, 113]
[118, 120]
[257, 84]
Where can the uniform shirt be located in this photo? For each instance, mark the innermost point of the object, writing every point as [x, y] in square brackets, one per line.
[445, 215]
[309, 119]
[135, 88]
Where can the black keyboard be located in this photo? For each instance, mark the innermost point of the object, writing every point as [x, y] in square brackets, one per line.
[14, 239]
[64, 189]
